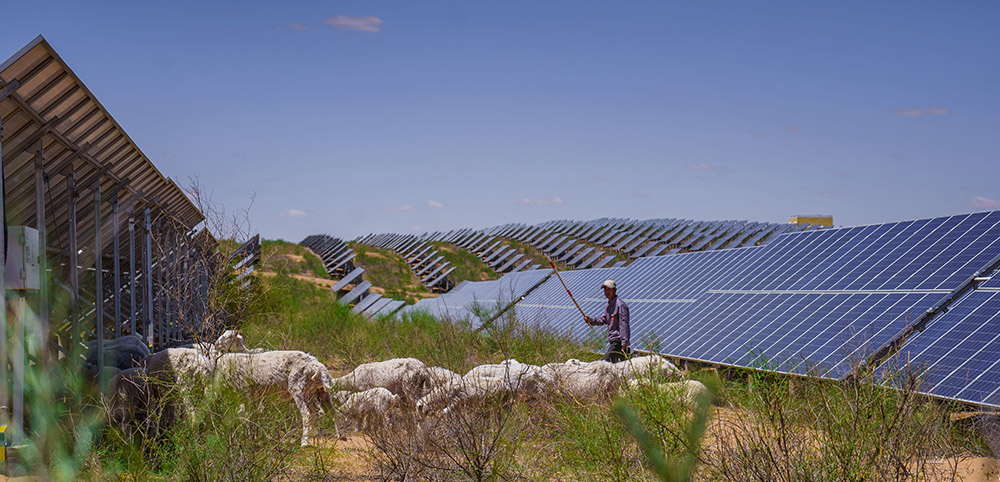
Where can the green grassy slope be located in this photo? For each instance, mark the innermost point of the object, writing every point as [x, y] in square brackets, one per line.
[467, 266]
[388, 273]
[283, 257]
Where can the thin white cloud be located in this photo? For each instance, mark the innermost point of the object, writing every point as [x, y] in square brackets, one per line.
[700, 167]
[357, 24]
[540, 202]
[922, 112]
[983, 202]
[297, 26]
[434, 204]
[293, 213]
[758, 133]
[403, 207]
[793, 129]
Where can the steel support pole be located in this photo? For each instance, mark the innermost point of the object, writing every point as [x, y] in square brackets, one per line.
[117, 269]
[160, 299]
[99, 286]
[147, 276]
[43, 256]
[3, 300]
[131, 272]
[74, 276]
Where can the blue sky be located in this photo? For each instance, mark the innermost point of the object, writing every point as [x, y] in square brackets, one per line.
[354, 117]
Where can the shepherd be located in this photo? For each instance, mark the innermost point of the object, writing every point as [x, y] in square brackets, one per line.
[616, 317]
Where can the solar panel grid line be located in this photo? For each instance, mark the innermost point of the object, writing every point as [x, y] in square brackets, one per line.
[745, 274]
[990, 249]
[695, 340]
[858, 250]
[910, 235]
[811, 248]
[941, 333]
[832, 248]
[521, 266]
[844, 338]
[866, 257]
[934, 247]
[869, 338]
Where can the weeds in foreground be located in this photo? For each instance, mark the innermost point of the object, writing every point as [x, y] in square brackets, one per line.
[228, 435]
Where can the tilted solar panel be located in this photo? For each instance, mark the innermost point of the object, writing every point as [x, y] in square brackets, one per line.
[958, 354]
[813, 302]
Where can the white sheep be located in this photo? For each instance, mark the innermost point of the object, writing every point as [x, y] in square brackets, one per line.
[177, 368]
[461, 391]
[581, 380]
[299, 374]
[438, 376]
[363, 409]
[649, 366]
[406, 377]
[519, 377]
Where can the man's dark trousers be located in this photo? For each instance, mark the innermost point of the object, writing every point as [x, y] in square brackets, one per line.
[615, 353]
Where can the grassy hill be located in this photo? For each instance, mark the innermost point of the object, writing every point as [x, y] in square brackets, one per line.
[467, 266]
[389, 274]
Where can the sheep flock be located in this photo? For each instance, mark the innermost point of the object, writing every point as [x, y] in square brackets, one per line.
[368, 393]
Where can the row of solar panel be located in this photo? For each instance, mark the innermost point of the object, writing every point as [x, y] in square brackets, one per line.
[351, 287]
[820, 303]
[425, 262]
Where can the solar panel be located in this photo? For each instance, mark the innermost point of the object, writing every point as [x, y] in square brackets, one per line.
[346, 280]
[366, 302]
[958, 353]
[814, 302]
[358, 290]
[374, 308]
[485, 295]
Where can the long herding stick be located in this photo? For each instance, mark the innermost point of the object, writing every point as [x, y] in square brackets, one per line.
[567, 289]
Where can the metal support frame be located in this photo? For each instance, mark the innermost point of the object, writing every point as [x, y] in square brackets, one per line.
[74, 276]
[133, 312]
[43, 256]
[148, 281]
[99, 286]
[116, 267]
[3, 298]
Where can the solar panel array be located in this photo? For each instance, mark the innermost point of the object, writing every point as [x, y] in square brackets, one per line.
[957, 355]
[819, 303]
[338, 259]
[430, 268]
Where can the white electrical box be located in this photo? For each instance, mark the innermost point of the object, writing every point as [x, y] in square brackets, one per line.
[22, 258]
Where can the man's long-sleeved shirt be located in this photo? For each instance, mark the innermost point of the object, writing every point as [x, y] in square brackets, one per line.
[616, 317]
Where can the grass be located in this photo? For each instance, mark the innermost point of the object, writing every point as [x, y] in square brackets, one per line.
[467, 266]
[763, 426]
[389, 273]
[283, 257]
[294, 314]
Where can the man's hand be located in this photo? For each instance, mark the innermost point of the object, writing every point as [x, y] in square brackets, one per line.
[588, 320]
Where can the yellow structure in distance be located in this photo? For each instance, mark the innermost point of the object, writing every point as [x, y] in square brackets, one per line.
[819, 219]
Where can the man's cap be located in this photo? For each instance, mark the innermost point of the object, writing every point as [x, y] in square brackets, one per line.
[609, 284]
